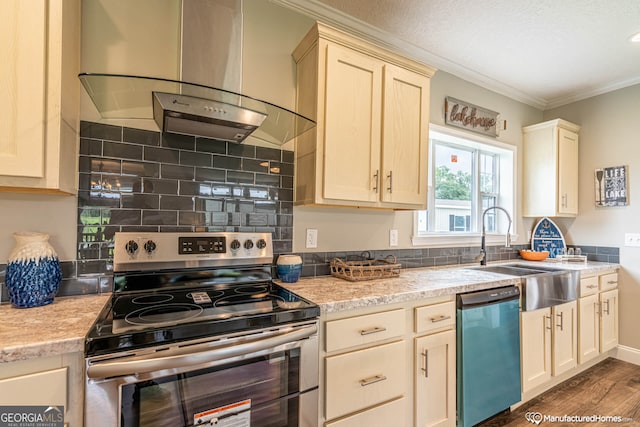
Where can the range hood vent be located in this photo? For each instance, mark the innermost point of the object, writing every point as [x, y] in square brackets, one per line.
[193, 109]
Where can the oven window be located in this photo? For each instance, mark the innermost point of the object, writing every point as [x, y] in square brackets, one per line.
[259, 391]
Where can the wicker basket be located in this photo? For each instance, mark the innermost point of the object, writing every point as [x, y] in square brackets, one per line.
[365, 270]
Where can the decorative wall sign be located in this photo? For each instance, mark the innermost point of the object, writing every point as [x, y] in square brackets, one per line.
[611, 186]
[548, 237]
[470, 117]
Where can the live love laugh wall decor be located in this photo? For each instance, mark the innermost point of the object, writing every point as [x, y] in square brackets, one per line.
[611, 186]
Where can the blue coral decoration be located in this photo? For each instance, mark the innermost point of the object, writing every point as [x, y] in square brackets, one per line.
[33, 273]
[33, 282]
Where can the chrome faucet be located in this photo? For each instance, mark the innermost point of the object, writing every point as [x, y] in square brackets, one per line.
[483, 250]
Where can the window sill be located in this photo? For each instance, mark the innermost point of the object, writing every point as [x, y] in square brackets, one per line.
[448, 240]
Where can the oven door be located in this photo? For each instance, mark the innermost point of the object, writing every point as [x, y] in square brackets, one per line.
[254, 380]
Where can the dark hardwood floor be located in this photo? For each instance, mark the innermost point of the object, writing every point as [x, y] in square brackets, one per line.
[610, 388]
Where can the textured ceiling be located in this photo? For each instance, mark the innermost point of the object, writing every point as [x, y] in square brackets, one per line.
[544, 52]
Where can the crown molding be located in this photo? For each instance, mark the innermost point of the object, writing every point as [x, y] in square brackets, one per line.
[323, 13]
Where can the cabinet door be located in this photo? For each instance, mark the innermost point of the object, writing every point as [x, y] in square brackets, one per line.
[608, 320]
[405, 137]
[567, 172]
[23, 47]
[588, 328]
[565, 341]
[352, 126]
[435, 377]
[536, 347]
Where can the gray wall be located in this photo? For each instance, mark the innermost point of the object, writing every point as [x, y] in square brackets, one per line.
[610, 136]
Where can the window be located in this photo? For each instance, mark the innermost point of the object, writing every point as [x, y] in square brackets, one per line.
[467, 174]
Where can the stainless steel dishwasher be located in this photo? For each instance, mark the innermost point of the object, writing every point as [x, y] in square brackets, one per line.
[488, 357]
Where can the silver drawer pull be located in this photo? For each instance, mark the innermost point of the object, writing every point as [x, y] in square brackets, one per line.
[611, 282]
[549, 319]
[561, 325]
[439, 318]
[372, 380]
[426, 363]
[592, 286]
[373, 330]
[606, 310]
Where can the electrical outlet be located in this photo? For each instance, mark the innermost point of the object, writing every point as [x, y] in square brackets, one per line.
[312, 238]
[393, 237]
[632, 239]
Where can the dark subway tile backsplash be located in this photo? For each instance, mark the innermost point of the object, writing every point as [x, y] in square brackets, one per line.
[139, 180]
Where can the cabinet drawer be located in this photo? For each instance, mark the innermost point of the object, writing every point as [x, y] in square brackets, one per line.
[437, 316]
[608, 281]
[345, 333]
[389, 414]
[364, 378]
[41, 388]
[588, 286]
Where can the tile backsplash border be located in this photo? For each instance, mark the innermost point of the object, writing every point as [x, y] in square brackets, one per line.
[140, 180]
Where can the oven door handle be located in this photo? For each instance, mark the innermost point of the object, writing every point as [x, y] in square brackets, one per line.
[175, 361]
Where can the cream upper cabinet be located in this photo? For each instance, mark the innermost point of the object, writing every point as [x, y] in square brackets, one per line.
[39, 118]
[370, 145]
[550, 160]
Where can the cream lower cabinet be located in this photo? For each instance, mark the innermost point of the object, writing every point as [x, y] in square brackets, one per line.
[49, 381]
[39, 115]
[536, 347]
[598, 316]
[435, 376]
[389, 365]
[370, 145]
[548, 342]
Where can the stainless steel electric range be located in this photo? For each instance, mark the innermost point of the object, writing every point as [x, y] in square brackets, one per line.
[197, 333]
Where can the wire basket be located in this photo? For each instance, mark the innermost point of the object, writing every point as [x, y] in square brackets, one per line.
[355, 271]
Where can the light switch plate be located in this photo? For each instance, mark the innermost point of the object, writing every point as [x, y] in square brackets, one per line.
[393, 237]
[312, 238]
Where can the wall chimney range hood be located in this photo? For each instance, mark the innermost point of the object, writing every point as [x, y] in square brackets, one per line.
[192, 109]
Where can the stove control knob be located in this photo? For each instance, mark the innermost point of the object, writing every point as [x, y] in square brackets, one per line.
[248, 244]
[150, 246]
[261, 244]
[235, 245]
[131, 247]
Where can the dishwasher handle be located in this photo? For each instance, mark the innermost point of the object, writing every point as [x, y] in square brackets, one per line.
[487, 297]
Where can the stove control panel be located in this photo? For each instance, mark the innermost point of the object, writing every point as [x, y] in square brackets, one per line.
[202, 245]
[137, 250]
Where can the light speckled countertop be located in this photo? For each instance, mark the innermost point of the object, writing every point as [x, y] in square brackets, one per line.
[50, 330]
[61, 327]
[333, 294]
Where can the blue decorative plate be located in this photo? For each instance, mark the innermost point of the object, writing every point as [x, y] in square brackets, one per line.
[547, 237]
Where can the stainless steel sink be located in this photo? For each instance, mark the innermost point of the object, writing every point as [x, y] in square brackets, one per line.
[541, 286]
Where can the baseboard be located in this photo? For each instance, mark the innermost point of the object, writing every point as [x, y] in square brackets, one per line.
[627, 354]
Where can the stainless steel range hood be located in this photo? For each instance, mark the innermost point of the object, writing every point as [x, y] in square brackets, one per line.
[211, 112]
[211, 59]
